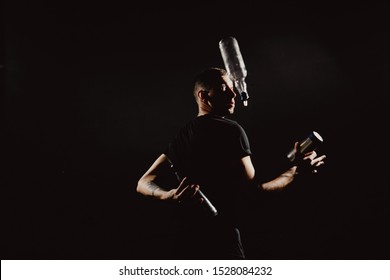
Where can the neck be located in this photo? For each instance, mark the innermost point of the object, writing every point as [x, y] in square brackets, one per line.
[204, 109]
[204, 113]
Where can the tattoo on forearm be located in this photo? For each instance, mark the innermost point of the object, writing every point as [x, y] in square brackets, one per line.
[153, 187]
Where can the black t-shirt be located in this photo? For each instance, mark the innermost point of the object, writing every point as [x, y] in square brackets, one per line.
[207, 139]
[205, 150]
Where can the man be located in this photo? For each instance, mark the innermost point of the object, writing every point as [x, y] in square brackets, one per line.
[212, 154]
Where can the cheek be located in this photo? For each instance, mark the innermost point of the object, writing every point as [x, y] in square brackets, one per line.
[216, 99]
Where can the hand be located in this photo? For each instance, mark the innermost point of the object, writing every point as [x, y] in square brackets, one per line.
[186, 193]
[309, 162]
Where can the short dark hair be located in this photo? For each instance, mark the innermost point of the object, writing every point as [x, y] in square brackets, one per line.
[208, 78]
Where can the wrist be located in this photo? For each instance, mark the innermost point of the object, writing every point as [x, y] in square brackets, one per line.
[166, 195]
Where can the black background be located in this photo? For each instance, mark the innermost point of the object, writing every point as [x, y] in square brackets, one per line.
[94, 92]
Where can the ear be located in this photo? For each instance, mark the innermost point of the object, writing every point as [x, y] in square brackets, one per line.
[203, 95]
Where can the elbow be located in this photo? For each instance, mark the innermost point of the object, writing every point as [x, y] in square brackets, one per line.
[268, 187]
[139, 187]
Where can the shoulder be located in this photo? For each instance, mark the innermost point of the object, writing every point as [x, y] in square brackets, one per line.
[210, 126]
[232, 126]
[216, 121]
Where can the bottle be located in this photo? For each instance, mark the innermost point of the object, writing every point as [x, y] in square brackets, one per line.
[310, 143]
[207, 205]
[235, 66]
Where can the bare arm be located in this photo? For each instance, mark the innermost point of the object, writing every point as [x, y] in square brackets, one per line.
[146, 184]
[278, 183]
[148, 187]
[283, 180]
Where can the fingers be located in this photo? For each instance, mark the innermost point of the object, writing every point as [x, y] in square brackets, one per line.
[310, 155]
[191, 198]
[185, 191]
[312, 162]
[188, 193]
[318, 161]
[321, 158]
[297, 147]
[183, 184]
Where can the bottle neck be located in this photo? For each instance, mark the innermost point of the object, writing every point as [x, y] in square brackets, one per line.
[241, 88]
[240, 84]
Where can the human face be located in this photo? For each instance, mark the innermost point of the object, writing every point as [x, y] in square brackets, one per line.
[221, 97]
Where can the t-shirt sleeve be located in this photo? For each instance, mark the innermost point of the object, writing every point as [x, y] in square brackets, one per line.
[243, 146]
[176, 149]
[171, 150]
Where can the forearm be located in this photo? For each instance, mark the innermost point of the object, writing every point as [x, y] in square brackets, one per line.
[280, 182]
[148, 187]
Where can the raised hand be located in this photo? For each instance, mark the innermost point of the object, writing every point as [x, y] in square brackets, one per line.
[308, 162]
